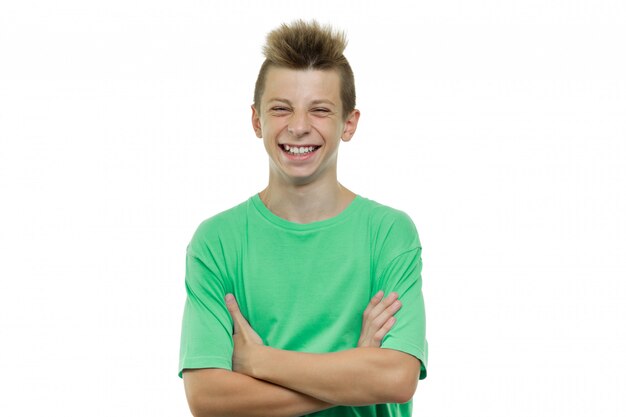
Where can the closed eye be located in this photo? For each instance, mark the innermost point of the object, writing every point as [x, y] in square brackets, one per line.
[280, 110]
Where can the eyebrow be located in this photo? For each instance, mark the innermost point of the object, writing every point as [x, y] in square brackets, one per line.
[314, 102]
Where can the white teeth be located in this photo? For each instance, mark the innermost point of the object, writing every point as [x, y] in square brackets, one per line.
[298, 150]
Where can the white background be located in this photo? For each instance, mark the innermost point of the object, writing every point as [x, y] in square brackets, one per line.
[499, 126]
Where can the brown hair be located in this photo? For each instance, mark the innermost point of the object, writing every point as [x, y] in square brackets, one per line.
[307, 45]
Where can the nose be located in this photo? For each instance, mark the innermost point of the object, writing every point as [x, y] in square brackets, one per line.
[298, 124]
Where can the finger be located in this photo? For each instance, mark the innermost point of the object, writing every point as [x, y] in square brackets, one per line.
[386, 314]
[382, 306]
[393, 308]
[235, 313]
[373, 303]
[382, 332]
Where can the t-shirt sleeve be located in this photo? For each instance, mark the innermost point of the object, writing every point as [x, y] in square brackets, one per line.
[403, 274]
[206, 337]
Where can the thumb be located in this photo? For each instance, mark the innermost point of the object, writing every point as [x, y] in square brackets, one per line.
[235, 313]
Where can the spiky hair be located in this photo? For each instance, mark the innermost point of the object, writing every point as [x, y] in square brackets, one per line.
[304, 45]
[308, 45]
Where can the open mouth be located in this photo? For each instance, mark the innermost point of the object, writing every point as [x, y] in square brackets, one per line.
[298, 150]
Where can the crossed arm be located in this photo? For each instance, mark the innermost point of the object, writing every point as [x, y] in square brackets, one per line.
[285, 383]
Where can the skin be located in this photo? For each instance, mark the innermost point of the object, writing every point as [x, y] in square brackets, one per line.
[219, 392]
[303, 108]
[361, 376]
[378, 319]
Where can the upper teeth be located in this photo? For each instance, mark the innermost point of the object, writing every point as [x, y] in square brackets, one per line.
[301, 149]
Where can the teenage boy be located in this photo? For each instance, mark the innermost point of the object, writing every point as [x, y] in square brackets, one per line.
[276, 286]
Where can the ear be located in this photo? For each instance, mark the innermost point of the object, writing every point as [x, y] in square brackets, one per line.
[350, 125]
[256, 122]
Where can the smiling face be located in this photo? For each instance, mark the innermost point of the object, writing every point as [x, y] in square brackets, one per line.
[300, 121]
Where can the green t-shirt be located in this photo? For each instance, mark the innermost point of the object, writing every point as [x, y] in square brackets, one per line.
[303, 287]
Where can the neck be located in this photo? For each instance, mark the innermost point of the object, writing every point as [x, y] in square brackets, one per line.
[306, 203]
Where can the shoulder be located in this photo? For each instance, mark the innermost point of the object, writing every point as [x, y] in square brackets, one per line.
[224, 220]
[385, 220]
[392, 231]
[213, 232]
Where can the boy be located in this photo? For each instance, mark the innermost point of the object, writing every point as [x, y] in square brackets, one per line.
[276, 286]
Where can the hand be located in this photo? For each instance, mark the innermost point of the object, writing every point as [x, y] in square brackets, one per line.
[245, 339]
[378, 319]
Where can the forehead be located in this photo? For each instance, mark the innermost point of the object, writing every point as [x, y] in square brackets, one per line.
[310, 84]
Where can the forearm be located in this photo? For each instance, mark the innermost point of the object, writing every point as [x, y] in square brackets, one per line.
[360, 376]
[218, 392]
